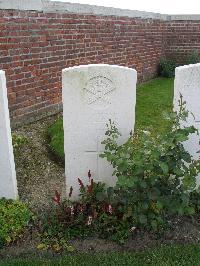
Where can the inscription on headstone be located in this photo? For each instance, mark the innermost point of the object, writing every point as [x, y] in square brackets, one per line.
[92, 95]
[97, 89]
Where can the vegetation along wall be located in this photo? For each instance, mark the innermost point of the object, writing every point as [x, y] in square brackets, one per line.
[39, 38]
[182, 37]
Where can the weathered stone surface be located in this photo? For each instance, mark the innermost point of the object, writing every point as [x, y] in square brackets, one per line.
[8, 184]
[92, 95]
[187, 83]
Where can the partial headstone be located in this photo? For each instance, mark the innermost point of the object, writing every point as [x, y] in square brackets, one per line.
[93, 94]
[8, 183]
[187, 83]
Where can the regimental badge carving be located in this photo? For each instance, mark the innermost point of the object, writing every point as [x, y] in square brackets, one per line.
[97, 90]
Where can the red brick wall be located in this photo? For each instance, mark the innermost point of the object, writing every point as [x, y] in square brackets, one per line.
[35, 47]
[182, 38]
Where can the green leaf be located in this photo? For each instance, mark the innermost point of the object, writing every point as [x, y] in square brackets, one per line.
[154, 224]
[110, 191]
[181, 137]
[145, 206]
[122, 180]
[186, 157]
[70, 248]
[143, 184]
[164, 167]
[100, 196]
[178, 172]
[143, 219]
[119, 162]
[159, 205]
[188, 182]
[139, 170]
[190, 210]
[181, 211]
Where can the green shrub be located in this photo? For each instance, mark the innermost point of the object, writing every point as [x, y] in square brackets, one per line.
[193, 58]
[14, 217]
[156, 178]
[167, 68]
[155, 174]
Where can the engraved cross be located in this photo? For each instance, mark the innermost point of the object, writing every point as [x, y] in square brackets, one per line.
[96, 153]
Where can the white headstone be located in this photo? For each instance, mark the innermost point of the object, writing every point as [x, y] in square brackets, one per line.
[187, 83]
[93, 94]
[8, 184]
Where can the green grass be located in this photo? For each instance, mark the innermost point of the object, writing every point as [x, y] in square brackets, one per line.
[153, 98]
[56, 139]
[162, 256]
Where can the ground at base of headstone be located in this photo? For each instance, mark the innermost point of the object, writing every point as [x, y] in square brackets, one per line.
[38, 175]
[38, 178]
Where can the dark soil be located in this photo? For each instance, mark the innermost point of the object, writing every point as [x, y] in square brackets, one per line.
[38, 176]
[185, 231]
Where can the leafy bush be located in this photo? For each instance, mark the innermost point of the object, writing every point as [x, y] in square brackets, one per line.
[156, 178]
[155, 174]
[193, 58]
[14, 217]
[167, 67]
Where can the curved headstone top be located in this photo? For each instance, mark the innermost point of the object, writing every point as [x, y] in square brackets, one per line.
[93, 94]
[98, 66]
[8, 183]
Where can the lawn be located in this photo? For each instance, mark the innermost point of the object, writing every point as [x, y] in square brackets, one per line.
[162, 256]
[153, 98]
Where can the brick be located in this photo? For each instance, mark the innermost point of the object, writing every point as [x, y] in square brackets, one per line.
[35, 46]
